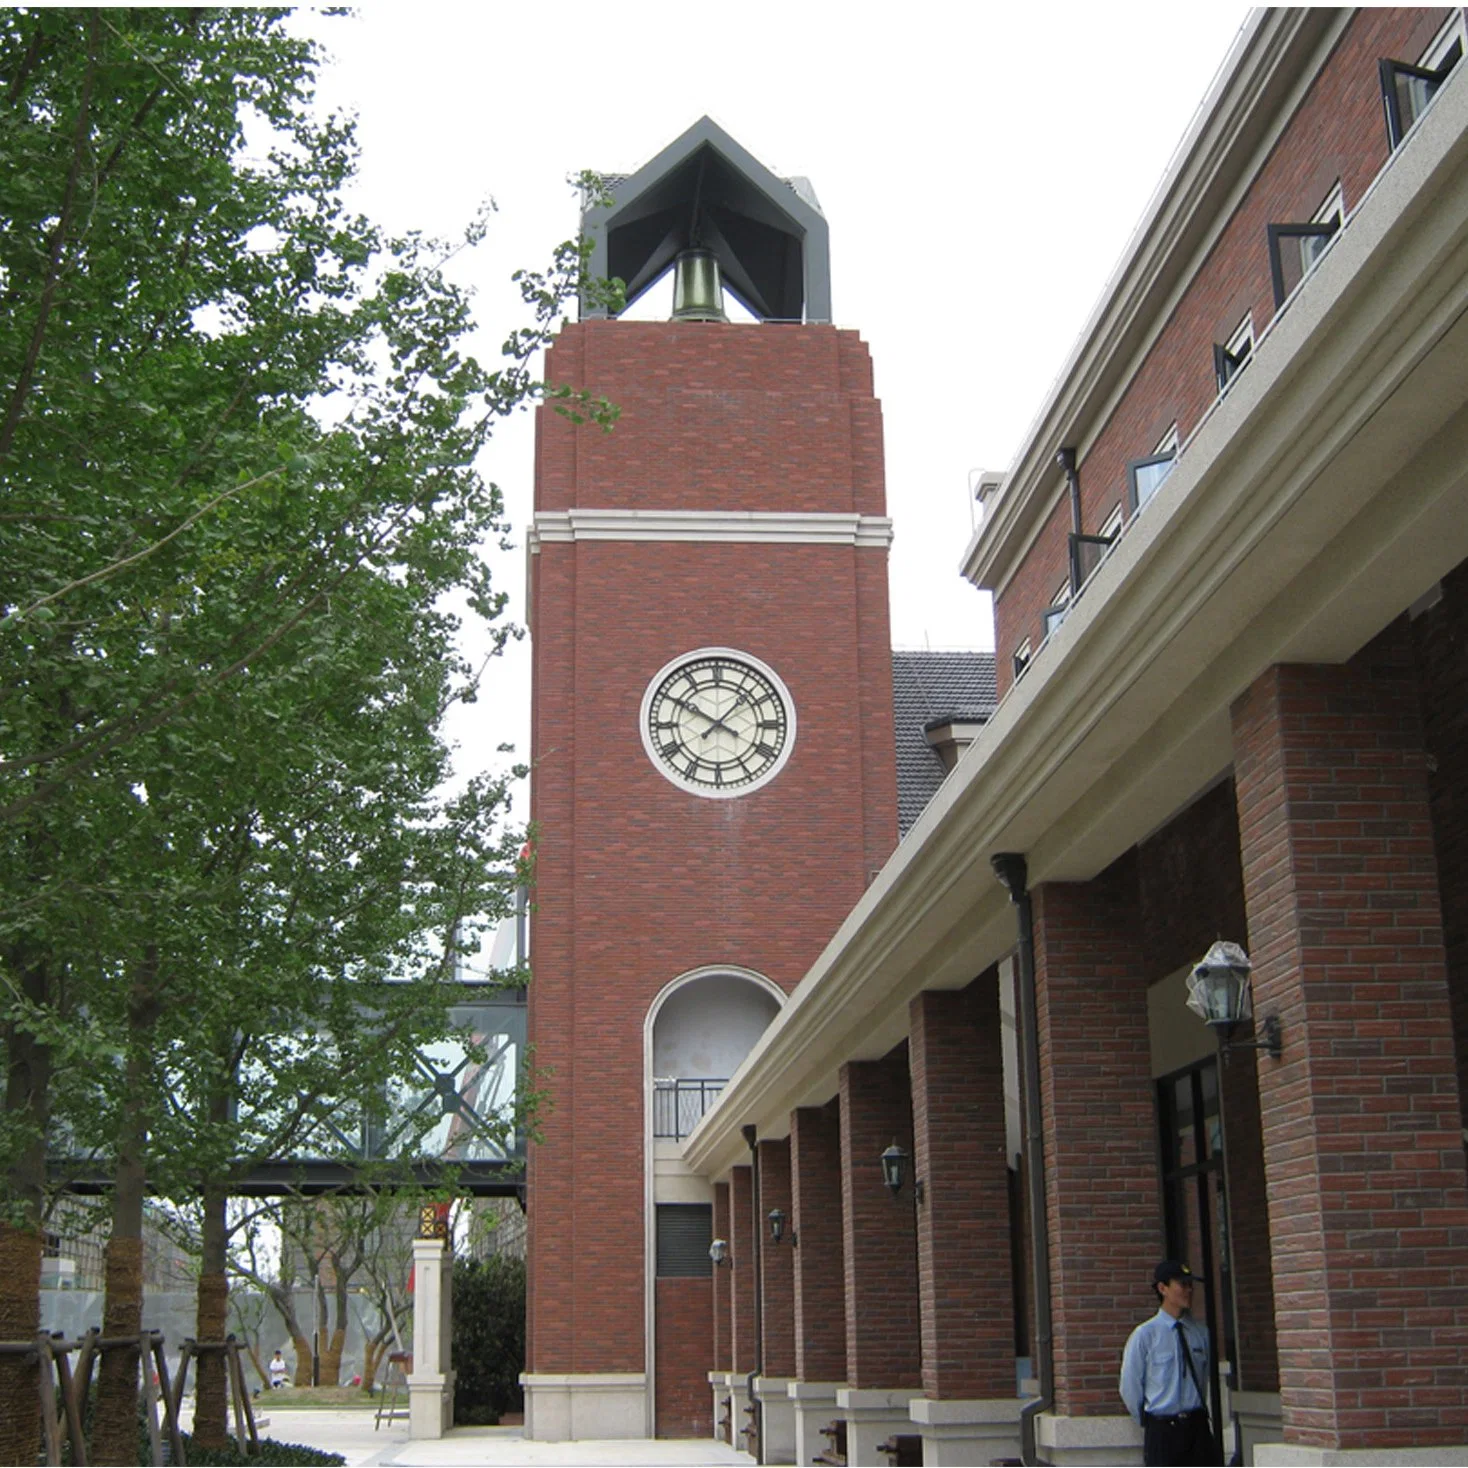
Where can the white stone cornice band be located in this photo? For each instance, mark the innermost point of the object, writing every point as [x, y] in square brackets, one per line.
[746, 526]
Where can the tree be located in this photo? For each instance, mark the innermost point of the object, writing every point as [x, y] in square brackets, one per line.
[237, 445]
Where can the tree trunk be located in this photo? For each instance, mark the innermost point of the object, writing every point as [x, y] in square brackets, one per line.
[27, 1095]
[211, 1421]
[303, 1356]
[331, 1358]
[375, 1350]
[115, 1439]
[20, 1318]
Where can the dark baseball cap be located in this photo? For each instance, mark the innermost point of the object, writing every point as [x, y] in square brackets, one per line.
[1171, 1269]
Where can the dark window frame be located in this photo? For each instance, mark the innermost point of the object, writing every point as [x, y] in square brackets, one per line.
[1227, 365]
[1021, 659]
[1134, 502]
[1077, 580]
[1388, 71]
[1323, 230]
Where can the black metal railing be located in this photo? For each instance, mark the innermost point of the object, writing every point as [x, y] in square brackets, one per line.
[679, 1105]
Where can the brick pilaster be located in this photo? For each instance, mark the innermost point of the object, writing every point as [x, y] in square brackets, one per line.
[740, 1272]
[963, 1235]
[777, 1268]
[1102, 1205]
[883, 1346]
[1363, 1146]
[722, 1360]
[820, 1275]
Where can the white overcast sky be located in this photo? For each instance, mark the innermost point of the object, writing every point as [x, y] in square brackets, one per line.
[981, 167]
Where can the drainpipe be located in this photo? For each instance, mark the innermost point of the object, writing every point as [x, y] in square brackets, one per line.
[1065, 459]
[758, 1369]
[1010, 868]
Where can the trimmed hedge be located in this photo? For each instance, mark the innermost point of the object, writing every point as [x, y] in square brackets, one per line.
[272, 1453]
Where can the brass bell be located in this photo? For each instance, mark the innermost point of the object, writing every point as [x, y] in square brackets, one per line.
[698, 293]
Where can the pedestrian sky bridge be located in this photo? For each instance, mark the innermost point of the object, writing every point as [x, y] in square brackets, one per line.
[453, 1124]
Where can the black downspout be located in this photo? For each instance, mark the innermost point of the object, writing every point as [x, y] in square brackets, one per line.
[757, 1412]
[1010, 868]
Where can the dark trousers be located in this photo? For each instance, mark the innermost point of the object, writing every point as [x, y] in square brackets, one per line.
[1170, 1441]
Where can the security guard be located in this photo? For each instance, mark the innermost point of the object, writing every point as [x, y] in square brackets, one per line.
[1163, 1370]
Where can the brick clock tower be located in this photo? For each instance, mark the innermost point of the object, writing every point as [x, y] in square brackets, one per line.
[714, 778]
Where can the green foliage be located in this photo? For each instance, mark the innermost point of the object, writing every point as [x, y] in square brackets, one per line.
[271, 1453]
[489, 1338]
[238, 434]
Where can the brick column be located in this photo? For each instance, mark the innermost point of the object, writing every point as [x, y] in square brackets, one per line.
[820, 1273]
[963, 1223]
[777, 1306]
[1363, 1147]
[1103, 1210]
[722, 1360]
[969, 1412]
[883, 1342]
[740, 1273]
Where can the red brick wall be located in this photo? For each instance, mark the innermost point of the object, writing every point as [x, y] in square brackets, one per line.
[1104, 1217]
[963, 1223]
[883, 1342]
[777, 1266]
[1441, 635]
[682, 1400]
[736, 418]
[820, 1271]
[729, 418]
[1362, 1129]
[722, 1360]
[1338, 133]
[741, 1271]
[1192, 892]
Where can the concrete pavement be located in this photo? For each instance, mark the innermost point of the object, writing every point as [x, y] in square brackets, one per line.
[350, 1433]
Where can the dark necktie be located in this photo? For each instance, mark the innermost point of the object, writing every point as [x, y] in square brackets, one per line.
[1185, 1368]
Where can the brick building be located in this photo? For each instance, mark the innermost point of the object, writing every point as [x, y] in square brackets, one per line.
[1230, 571]
[713, 740]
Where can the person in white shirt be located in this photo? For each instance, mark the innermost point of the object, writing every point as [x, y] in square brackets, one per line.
[277, 1369]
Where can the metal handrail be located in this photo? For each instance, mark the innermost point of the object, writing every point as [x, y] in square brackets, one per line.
[678, 1104]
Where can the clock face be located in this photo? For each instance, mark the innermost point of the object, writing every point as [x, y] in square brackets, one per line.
[718, 722]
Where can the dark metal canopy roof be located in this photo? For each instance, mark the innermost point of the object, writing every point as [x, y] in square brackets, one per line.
[768, 233]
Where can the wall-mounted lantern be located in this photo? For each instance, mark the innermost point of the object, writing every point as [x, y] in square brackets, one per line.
[1221, 994]
[719, 1252]
[777, 1225]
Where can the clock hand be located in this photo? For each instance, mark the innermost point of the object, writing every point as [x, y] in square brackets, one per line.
[713, 723]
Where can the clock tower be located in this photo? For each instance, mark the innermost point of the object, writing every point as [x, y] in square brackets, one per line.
[712, 738]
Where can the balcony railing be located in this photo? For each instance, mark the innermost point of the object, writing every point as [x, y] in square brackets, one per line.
[679, 1105]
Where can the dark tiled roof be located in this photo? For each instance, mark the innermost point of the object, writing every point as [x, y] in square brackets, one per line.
[929, 687]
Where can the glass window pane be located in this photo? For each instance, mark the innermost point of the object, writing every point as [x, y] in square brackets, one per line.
[1149, 479]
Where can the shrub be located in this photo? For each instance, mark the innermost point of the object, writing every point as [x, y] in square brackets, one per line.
[489, 1338]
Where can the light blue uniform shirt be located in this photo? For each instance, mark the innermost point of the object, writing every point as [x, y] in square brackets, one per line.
[1154, 1377]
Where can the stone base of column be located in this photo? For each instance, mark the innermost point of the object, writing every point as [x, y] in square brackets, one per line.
[1259, 1420]
[1278, 1455]
[720, 1383]
[564, 1408]
[814, 1406]
[872, 1417]
[777, 1419]
[1085, 1440]
[430, 1404]
[963, 1432]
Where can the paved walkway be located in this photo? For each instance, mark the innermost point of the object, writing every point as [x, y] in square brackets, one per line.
[350, 1433]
